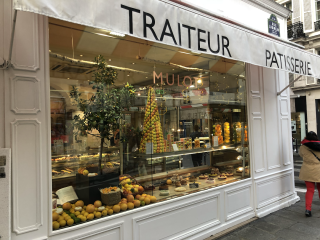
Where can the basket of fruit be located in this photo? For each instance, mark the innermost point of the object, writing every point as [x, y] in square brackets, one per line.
[130, 186]
[110, 196]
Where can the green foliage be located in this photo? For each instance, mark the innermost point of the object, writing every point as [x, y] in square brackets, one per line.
[103, 110]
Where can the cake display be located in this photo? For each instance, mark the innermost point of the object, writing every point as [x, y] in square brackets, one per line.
[215, 171]
[175, 177]
[210, 180]
[202, 176]
[193, 179]
[164, 192]
[152, 130]
[184, 182]
[163, 187]
[178, 184]
[180, 189]
[222, 177]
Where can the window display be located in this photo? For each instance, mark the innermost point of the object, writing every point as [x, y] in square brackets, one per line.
[135, 122]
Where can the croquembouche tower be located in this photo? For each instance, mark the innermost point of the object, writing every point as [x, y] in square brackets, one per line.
[152, 131]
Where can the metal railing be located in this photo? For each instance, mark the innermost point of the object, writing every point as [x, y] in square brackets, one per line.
[317, 25]
[295, 30]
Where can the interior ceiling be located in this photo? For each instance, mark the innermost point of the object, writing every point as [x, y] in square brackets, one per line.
[85, 43]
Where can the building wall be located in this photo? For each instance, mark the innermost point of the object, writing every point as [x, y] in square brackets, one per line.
[242, 12]
[27, 133]
[311, 96]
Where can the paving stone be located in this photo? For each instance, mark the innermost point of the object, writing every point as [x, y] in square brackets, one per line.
[303, 228]
[229, 237]
[280, 221]
[251, 233]
[312, 222]
[299, 216]
[269, 227]
[294, 235]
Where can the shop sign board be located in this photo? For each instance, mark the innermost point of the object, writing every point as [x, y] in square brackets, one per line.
[273, 25]
[169, 23]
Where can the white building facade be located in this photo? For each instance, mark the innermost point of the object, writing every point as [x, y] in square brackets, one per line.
[25, 121]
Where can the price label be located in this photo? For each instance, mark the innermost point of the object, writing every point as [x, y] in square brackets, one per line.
[215, 141]
[149, 148]
[175, 147]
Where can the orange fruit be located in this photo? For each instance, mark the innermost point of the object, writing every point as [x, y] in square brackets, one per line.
[130, 198]
[138, 196]
[123, 206]
[116, 208]
[105, 212]
[70, 222]
[79, 203]
[98, 215]
[55, 216]
[130, 205]
[90, 208]
[153, 199]
[143, 195]
[169, 182]
[97, 204]
[136, 203]
[124, 199]
[66, 206]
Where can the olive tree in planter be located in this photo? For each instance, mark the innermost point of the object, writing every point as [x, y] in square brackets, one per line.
[103, 110]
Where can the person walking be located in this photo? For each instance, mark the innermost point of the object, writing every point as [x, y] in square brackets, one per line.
[310, 170]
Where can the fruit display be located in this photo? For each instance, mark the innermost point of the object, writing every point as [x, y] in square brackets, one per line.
[214, 130]
[226, 126]
[218, 132]
[187, 143]
[152, 130]
[197, 143]
[237, 132]
[245, 133]
[70, 216]
[129, 185]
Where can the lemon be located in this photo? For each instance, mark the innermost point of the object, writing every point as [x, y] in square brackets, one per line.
[80, 216]
[90, 216]
[72, 210]
[85, 214]
[60, 218]
[83, 219]
[55, 225]
[62, 223]
[105, 212]
[70, 222]
[98, 215]
[77, 213]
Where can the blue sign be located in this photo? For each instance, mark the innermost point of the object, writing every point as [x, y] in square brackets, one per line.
[273, 25]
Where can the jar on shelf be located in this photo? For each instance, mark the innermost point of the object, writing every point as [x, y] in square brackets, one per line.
[197, 143]
[187, 142]
[218, 132]
[226, 131]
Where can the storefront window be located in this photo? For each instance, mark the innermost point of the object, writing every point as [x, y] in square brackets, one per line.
[135, 122]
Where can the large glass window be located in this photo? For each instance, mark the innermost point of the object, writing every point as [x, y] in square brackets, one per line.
[134, 122]
[317, 10]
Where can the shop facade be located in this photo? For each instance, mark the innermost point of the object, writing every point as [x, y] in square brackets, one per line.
[218, 148]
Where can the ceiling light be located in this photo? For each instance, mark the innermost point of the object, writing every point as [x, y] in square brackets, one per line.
[146, 77]
[117, 34]
[199, 81]
[173, 69]
[81, 55]
[49, 50]
[128, 75]
[68, 78]
[133, 63]
[109, 59]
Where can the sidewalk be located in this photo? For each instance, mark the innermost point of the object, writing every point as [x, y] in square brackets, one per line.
[288, 223]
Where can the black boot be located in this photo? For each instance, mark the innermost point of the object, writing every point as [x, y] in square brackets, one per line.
[308, 213]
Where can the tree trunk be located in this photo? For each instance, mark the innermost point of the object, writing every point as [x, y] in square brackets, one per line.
[100, 157]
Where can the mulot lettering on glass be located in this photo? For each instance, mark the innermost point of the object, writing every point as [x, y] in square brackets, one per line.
[204, 38]
[288, 63]
[186, 81]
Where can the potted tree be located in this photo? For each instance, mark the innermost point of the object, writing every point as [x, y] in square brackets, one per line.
[104, 109]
